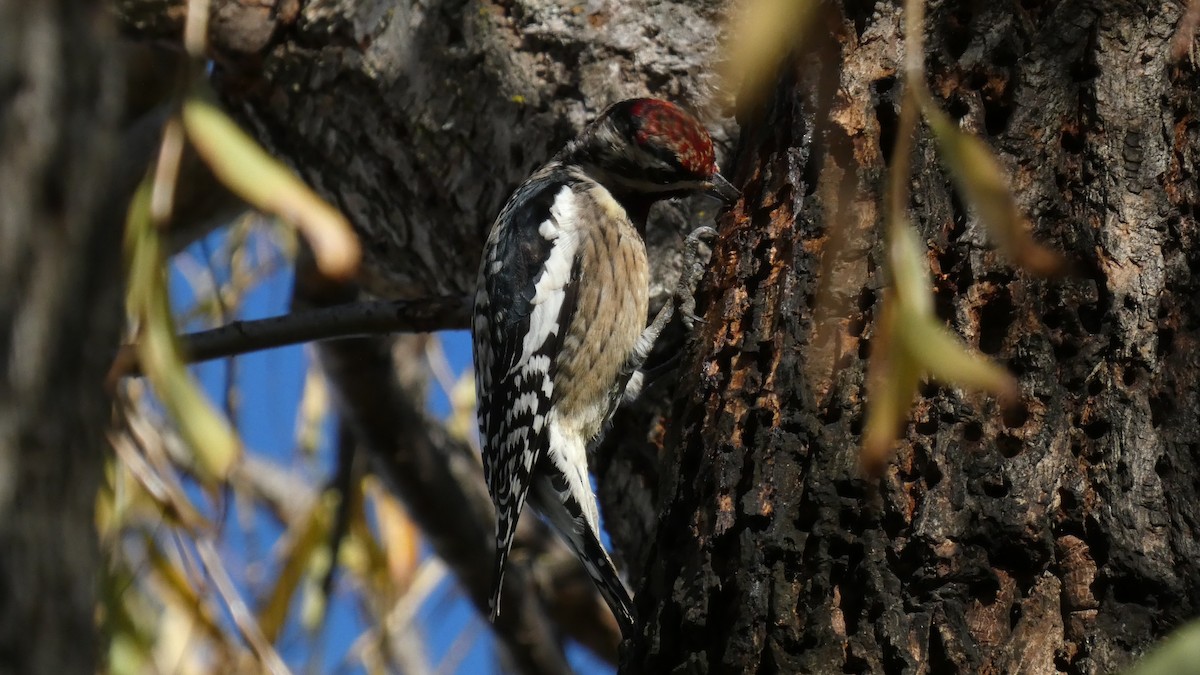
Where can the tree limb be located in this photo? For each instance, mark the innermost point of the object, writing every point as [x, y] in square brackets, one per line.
[433, 112]
[308, 325]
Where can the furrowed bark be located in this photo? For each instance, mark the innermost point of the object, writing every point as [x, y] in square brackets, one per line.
[1062, 539]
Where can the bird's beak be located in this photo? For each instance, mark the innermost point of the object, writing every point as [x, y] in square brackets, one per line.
[721, 189]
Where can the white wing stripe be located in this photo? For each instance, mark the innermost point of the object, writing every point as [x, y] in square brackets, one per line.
[549, 290]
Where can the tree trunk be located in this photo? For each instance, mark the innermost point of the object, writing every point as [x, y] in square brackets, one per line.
[1064, 538]
[59, 96]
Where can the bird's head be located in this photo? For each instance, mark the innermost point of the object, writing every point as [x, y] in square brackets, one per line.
[652, 148]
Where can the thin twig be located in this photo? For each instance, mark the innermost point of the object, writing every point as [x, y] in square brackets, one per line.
[166, 173]
[153, 452]
[243, 618]
[399, 618]
[195, 28]
[344, 483]
[327, 323]
[914, 42]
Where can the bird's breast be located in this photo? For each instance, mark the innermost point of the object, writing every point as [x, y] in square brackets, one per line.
[613, 299]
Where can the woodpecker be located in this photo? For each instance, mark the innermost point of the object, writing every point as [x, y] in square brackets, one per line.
[559, 323]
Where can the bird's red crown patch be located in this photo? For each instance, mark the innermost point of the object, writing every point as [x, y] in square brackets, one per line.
[668, 124]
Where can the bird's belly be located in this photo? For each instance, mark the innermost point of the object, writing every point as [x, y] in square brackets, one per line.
[610, 316]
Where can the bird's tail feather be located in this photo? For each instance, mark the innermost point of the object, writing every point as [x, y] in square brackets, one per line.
[576, 528]
[600, 567]
[506, 529]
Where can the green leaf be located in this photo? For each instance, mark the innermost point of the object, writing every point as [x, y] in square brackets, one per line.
[892, 382]
[945, 357]
[910, 269]
[909, 341]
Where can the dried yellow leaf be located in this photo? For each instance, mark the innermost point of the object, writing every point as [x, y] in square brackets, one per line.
[206, 431]
[265, 183]
[892, 382]
[761, 35]
[982, 182]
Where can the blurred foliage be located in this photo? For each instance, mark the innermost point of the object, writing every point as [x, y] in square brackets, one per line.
[911, 342]
[1178, 654]
[269, 186]
[761, 34]
[183, 592]
[181, 595]
[213, 443]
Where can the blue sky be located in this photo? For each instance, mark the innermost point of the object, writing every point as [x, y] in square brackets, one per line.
[269, 386]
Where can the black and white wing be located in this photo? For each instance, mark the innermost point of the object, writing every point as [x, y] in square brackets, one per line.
[526, 293]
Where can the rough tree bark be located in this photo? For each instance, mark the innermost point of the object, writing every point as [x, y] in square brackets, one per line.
[59, 286]
[1061, 539]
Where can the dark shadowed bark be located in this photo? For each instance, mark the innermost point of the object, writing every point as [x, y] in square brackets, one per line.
[59, 287]
[1061, 538]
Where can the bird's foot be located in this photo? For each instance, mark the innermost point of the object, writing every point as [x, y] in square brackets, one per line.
[694, 265]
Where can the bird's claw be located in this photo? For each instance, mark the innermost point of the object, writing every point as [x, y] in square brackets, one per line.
[689, 318]
[690, 275]
[702, 233]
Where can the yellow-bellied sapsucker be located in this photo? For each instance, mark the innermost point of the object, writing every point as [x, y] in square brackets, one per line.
[560, 317]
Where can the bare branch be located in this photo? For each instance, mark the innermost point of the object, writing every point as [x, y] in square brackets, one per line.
[308, 325]
[243, 618]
